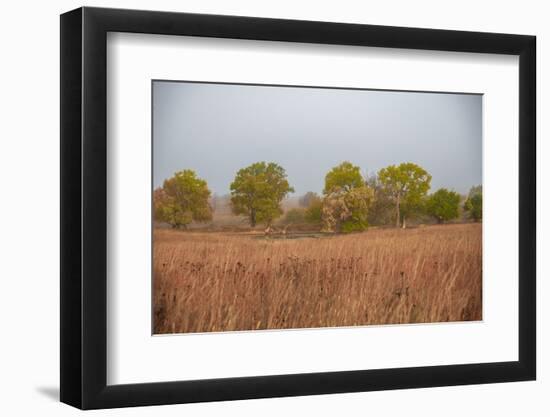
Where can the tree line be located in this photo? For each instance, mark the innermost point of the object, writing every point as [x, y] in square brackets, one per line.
[349, 201]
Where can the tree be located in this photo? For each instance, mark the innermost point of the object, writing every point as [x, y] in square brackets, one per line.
[474, 203]
[343, 177]
[407, 184]
[257, 192]
[306, 200]
[295, 216]
[443, 205]
[477, 189]
[381, 212]
[347, 199]
[346, 211]
[314, 210]
[182, 199]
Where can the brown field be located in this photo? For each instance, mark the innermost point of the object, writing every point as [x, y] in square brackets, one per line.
[205, 282]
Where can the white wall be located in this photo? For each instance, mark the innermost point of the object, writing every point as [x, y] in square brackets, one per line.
[29, 175]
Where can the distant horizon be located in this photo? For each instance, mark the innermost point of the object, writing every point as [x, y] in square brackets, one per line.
[217, 129]
[319, 192]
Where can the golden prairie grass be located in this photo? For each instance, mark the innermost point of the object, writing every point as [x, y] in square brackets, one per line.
[205, 282]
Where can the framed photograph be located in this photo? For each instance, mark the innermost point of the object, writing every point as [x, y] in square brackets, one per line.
[259, 208]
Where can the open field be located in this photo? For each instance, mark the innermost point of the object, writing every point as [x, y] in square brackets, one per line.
[206, 282]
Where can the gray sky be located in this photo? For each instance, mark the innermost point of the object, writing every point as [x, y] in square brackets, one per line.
[216, 129]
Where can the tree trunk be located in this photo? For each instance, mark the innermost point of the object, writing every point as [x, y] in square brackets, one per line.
[253, 218]
[397, 212]
[404, 223]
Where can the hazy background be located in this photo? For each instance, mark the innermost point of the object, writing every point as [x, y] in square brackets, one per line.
[216, 129]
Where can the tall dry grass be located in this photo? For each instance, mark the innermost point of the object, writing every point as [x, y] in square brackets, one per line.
[205, 282]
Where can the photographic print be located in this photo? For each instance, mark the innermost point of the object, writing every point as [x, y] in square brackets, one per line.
[290, 207]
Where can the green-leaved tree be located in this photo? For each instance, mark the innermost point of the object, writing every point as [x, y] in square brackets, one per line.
[182, 199]
[474, 203]
[313, 210]
[407, 184]
[343, 177]
[347, 199]
[381, 212]
[443, 205]
[257, 192]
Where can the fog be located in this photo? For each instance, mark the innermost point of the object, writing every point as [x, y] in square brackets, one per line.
[216, 129]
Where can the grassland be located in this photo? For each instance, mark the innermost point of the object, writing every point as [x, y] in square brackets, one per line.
[206, 282]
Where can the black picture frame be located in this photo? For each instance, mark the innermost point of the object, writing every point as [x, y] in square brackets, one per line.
[84, 207]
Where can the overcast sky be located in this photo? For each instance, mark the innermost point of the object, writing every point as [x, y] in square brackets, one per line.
[216, 129]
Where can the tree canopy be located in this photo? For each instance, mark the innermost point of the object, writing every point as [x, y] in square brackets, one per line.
[474, 203]
[314, 210]
[407, 184]
[347, 199]
[346, 211]
[343, 177]
[349, 202]
[381, 212]
[443, 205]
[257, 192]
[182, 199]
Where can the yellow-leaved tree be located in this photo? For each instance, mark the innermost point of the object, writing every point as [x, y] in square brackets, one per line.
[182, 199]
